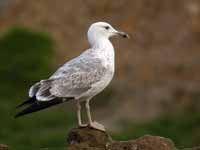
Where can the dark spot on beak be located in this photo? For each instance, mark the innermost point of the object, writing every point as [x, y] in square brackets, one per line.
[123, 34]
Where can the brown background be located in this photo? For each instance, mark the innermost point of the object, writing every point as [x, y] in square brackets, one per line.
[157, 70]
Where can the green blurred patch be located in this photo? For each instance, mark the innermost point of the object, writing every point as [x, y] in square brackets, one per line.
[183, 129]
[26, 57]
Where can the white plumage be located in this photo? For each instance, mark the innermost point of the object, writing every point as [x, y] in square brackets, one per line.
[83, 77]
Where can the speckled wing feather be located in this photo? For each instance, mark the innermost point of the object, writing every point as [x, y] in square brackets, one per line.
[77, 76]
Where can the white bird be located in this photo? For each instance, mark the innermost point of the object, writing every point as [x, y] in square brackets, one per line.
[81, 78]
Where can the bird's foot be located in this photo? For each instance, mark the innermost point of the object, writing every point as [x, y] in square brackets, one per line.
[97, 126]
[82, 125]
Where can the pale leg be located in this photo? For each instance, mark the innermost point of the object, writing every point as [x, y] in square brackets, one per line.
[78, 105]
[91, 123]
[87, 106]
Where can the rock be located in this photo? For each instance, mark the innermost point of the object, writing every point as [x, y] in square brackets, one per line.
[126, 145]
[146, 142]
[87, 138]
[91, 139]
[3, 147]
[154, 142]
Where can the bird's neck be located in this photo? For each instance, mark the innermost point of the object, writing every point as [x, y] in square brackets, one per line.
[102, 43]
[104, 49]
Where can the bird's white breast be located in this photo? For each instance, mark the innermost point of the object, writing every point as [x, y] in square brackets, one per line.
[107, 56]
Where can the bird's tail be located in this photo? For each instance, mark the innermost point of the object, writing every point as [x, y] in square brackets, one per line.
[36, 105]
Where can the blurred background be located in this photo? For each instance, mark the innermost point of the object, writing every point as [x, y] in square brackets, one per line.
[156, 88]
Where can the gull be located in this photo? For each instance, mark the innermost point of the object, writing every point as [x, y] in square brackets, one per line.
[79, 79]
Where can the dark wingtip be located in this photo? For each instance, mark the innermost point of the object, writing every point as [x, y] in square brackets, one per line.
[18, 106]
[21, 113]
[39, 105]
[29, 101]
[16, 116]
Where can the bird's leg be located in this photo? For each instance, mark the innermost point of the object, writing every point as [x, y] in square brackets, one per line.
[78, 105]
[87, 106]
[92, 124]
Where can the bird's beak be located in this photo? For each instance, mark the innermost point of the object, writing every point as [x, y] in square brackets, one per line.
[122, 34]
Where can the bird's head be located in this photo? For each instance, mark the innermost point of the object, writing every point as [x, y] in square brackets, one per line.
[104, 30]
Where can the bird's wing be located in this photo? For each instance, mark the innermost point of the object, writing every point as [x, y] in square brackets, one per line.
[71, 80]
[77, 78]
[75, 84]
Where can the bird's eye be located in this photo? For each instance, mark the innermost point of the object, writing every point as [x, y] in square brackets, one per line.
[107, 27]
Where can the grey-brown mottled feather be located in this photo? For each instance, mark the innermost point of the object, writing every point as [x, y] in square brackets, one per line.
[72, 79]
[77, 77]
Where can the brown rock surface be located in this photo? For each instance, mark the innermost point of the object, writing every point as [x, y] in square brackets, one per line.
[91, 139]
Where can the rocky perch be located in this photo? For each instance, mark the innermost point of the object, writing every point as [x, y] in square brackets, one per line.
[91, 139]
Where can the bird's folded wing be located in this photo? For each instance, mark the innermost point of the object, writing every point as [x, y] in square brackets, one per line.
[76, 84]
[72, 79]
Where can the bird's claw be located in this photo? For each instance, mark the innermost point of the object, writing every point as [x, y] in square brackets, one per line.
[82, 125]
[97, 126]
